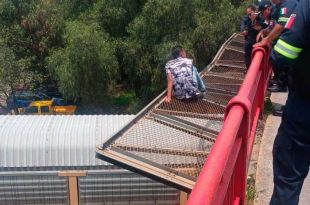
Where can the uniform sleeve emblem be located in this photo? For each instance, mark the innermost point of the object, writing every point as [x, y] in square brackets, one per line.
[290, 21]
[283, 11]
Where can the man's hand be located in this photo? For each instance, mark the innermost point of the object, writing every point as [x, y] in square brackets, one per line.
[244, 33]
[260, 36]
[263, 43]
[168, 99]
[257, 27]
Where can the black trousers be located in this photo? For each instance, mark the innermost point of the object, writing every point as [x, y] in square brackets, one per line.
[248, 47]
[281, 74]
[291, 151]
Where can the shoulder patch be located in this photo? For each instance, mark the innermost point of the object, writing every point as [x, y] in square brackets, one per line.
[283, 11]
[290, 21]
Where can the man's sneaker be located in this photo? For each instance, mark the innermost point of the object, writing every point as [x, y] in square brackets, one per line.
[273, 81]
[278, 112]
[277, 88]
[201, 95]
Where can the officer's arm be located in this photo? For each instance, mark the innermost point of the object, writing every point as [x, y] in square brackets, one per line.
[287, 9]
[275, 33]
[291, 43]
[243, 24]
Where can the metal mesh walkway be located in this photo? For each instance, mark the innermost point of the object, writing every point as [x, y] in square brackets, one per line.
[170, 142]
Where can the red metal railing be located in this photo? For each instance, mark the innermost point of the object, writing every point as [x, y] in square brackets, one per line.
[223, 177]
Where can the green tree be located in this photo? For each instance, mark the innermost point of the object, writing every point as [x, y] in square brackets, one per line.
[86, 68]
[114, 16]
[12, 73]
[32, 30]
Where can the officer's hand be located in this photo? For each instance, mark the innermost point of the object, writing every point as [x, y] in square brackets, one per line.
[257, 27]
[263, 43]
[260, 36]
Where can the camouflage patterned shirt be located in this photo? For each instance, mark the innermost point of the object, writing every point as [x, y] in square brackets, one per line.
[183, 85]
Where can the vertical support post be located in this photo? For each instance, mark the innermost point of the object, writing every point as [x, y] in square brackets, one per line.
[73, 184]
[73, 190]
[183, 198]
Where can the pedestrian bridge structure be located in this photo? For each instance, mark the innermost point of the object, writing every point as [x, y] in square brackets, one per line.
[201, 147]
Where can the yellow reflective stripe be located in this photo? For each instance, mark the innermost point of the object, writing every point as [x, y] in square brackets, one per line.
[283, 51]
[283, 19]
[289, 47]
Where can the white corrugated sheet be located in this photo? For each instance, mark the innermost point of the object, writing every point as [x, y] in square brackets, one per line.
[51, 140]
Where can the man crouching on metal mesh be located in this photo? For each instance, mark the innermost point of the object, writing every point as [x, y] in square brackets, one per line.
[183, 79]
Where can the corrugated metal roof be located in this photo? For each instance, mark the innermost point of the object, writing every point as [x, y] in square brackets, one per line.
[51, 140]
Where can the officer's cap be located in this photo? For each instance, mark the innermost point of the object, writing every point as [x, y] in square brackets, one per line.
[263, 5]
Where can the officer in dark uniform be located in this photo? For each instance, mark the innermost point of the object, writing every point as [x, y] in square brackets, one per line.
[280, 13]
[250, 27]
[291, 151]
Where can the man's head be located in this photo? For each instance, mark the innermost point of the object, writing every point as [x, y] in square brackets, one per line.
[250, 11]
[178, 51]
[251, 8]
[265, 8]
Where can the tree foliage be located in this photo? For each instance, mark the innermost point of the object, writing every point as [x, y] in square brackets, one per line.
[86, 67]
[87, 47]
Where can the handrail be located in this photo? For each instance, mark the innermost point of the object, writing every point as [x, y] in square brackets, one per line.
[222, 180]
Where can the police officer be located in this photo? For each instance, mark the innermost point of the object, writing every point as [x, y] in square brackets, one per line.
[291, 151]
[250, 27]
[283, 8]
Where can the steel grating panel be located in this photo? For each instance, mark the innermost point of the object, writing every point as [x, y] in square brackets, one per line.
[170, 142]
[233, 72]
[239, 44]
[233, 55]
[222, 83]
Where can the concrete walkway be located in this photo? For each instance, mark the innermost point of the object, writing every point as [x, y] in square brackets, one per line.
[264, 174]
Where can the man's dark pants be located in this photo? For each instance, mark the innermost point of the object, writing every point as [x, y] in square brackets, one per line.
[281, 75]
[291, 151]
[248, 47]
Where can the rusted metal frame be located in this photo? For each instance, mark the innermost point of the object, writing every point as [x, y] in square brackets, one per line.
[213, 102]
[191, 114]
[220, 95]
[219, 98]
[131, 124]
[219, 53]
[192, 127]
[231, 84]
[221, 89]
[206, 186]
[237, 40]
[222, 75]
[195, 134]
[234, 48]
[220, 92]
[144, 161]
[156, 150]
[146, 168]
[231, 60]
[225, 75]
[237, 43]
[220, 63]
